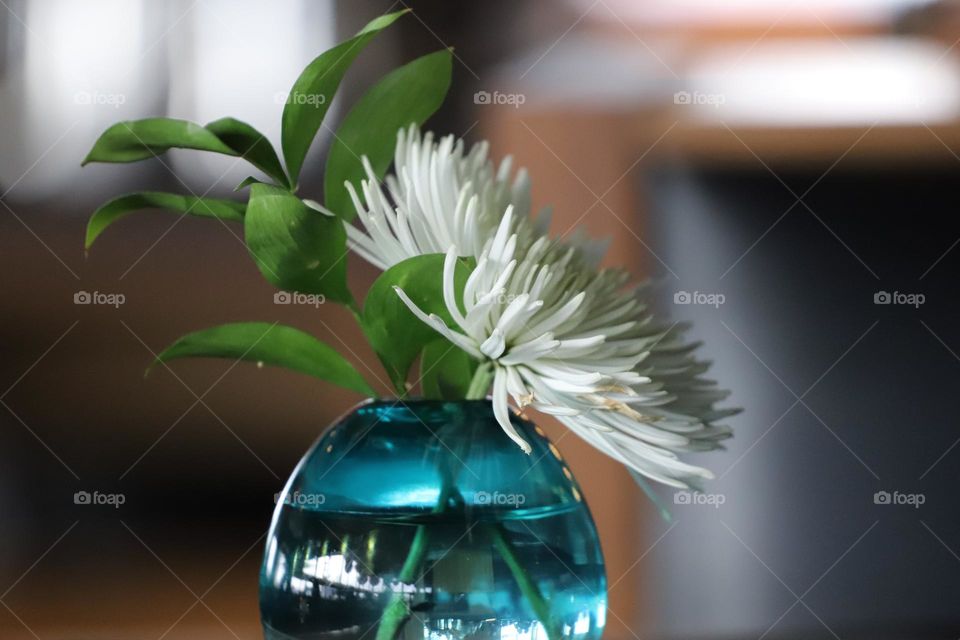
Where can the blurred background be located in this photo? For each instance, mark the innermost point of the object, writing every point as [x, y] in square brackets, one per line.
[785, 173]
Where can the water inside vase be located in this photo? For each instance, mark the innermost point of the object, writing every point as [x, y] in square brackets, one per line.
[341, 582]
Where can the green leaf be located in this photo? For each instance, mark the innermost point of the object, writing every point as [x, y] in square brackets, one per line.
[140, 139]
[121, 206]
[251, 145]
[313, 92]
[272, 344]
[408, 95]
[393, 331]
[297, 248]
[249, 180]
[445, 371]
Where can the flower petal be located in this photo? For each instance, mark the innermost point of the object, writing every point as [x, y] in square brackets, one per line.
[501, 410]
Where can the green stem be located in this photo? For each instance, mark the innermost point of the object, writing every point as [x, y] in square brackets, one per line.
[529, 589]
[397, 611]
[480, 383]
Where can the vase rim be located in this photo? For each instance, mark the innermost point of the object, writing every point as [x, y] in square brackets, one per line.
[424, 407]
[419, 400]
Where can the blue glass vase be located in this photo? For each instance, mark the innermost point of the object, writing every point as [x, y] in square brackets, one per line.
[421, 519]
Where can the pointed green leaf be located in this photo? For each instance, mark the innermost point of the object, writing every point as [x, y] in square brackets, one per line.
[251, 145]
[123, 205]
[394, 332]
[313, 92]
[297, 248]
[408, 95]
[246, 182]
[445, 371]
[272, 344]
[140, 139]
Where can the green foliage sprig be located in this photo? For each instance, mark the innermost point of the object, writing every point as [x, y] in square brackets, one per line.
[298, 245]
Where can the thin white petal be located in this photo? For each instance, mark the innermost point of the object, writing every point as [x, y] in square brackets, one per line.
[501, 410]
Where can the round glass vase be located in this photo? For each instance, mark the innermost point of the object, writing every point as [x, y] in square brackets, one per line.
[422, 519]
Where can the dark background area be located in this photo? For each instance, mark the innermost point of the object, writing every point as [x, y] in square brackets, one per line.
[799, 316]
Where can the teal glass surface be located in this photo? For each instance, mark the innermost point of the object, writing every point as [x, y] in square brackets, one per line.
[422, 519]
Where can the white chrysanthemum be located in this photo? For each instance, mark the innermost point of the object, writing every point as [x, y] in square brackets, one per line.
[560, 335]
[440, 196]
[565, 339]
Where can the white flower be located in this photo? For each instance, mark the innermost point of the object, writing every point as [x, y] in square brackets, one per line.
[560, 335]
[565, 339]
[439, 197]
